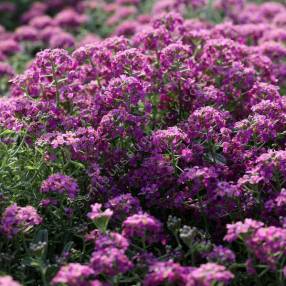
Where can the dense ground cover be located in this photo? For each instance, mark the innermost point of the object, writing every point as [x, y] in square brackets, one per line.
[143, 143]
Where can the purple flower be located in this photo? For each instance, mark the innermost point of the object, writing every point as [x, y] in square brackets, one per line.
[279, 19]
[170, 21]
[264, 168]
[96, 283]
[206, 122]
[130, 60]
[47, 202]
[41, 22]
[100, 217]
[238, 229]
[127, 28]
[121, 13]
[36, 9]
[174, 55]
[47, 33]
[221, 255]
[143, 226]
[166, 273]
[152, 39]
[125, 91]
[277, 204]
[17, 219]
[62, 40]
[48, 60]
[210, 273]
[26, 33]
[60, 184]
[230, 6]
[168, 139]
[268, 244]
[199, 178]
[73, 274]
[112, 239]
[196, 4]
[9, 47]
[69, 18]
[110, 261]
[6, 70]
[123, 206]
[250, 267]
[97, 213]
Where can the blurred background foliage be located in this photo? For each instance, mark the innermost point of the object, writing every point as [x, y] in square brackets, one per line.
[11, 12]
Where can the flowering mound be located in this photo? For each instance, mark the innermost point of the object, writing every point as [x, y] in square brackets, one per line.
[143, 143]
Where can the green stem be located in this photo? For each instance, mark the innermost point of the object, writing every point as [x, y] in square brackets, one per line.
[43, 276]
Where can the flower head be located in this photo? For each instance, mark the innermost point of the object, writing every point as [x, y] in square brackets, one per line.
[72, 274]
[60, 184]
[143, 226]
[110, 261]
[17, 219]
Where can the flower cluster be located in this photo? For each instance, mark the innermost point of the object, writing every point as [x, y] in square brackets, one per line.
[60, 184]
[72, 274]
[17, 219]
[143, 226]
[145, 140]
[266, 243]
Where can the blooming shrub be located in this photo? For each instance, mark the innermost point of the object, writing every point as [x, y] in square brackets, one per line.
[143, 142]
